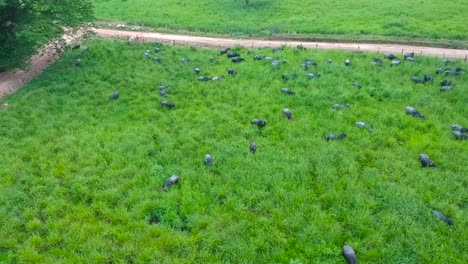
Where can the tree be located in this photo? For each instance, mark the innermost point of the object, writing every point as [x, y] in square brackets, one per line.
[27, 24]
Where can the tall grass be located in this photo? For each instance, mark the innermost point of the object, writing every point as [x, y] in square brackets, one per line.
[427, 20]
[81, 176]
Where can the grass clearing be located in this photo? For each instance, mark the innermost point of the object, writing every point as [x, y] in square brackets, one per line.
[82, 175]
[431, 20]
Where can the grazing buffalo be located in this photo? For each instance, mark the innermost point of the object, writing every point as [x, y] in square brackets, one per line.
[439, 70]
[459, 135]
[217, 78]
[167, 104]
[288, 114]
[196, 71]
[459, 128]
[452, 73]
[114, 96]
[208, 159]
[395, 63]
[276, 49]
[336, 137]
[377, 60]
[426, 161]
[258, 57]
[442, 217]
[157, 59]
[357, 85]
[163, 87]
[288, 76]
[349, 255]
[233, 55]
[445, 88]
[184, 60]
[174, 179]
[390, 56]
[224, 51]
[363, 125]
[447, 62]
[313, 75]
[409, 55]
[163, 93]
[157, 50]
[253, 147]
[347, 62]
[411, 59]
[232, 72]
[287, 91]
[445, 82]
[428, 78]
[78, 62]
[411, 111]
[237, 59]
[340, 106]
[204, 79]
[77, 45]
[258, 122]
[416, 79]
[329, 61]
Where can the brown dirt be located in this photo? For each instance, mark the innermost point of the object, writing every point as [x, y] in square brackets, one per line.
[12, 81]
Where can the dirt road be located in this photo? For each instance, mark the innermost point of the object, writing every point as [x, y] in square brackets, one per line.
[12, 81]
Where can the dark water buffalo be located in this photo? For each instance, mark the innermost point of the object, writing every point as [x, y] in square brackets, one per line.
[288, 76]
[336, 137]
[412, 111]
[349, 255]
[163, 93]
[347, 62]
[442, 217]
[287, 91]
[416, 79]
[288, 114]
[233, 55]
[258, 122]
[459, 135]
[224, 51]
[428, 78]
[426, 161]
[459, 128]
[357, 85]
[313, 75]
[445, 82]
[340, 106]
[196, 71]
[208, 159]
[204, 79]
[232, 72]
[253, 147]
[114, 96]
[445, 88]
[390, 56]
[258, 57]
[174, 179]
[237, 59]
[167, 104]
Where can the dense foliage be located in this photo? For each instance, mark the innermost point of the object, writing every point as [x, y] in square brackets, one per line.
[81, 175]
[27, 24]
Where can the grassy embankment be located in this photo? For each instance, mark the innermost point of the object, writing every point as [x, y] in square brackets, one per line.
[429, 23]
[81, 175]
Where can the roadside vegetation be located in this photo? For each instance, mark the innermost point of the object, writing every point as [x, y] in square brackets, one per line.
[379, 20]
[81, 175]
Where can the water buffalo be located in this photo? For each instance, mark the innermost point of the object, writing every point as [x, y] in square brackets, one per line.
[411, 111]
[174, 179]
[208, 159]
[258, 122]
[336, 137]
[114, 96]
[349, 255]
[426, 161]
[167, 104]
[287, 91]
[442, 217]
[253, 147]
[288, 114]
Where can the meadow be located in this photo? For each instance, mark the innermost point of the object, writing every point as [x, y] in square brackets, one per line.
[81, 175]
[342, 20]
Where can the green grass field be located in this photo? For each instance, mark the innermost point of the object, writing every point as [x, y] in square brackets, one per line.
[350, 19]
[82, 175]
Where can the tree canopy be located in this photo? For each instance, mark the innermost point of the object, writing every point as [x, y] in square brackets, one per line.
[27, 24]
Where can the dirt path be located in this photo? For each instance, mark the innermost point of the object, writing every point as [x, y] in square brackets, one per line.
[12, 81]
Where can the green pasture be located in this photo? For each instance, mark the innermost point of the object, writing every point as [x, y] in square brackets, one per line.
[81, 175]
